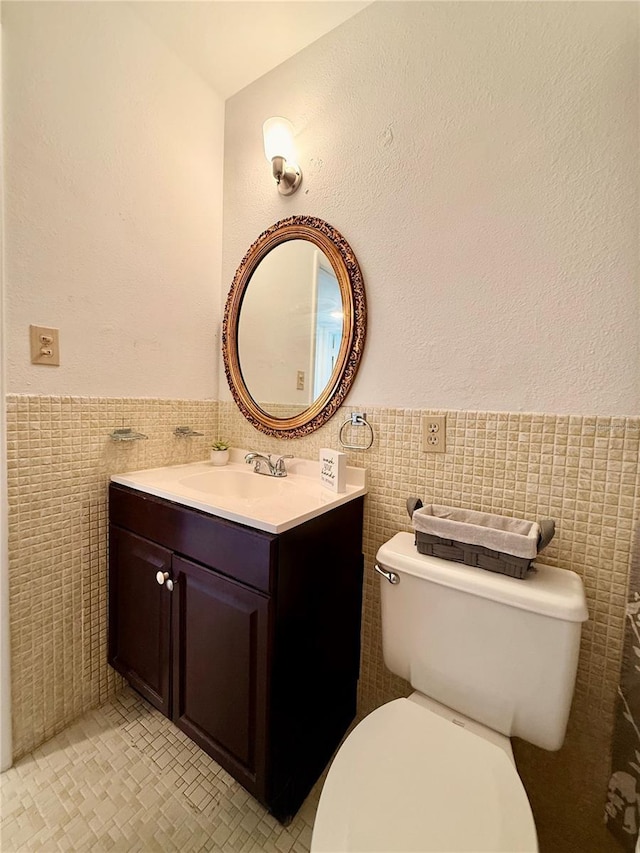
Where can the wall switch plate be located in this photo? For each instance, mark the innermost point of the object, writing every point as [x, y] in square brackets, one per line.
[434, 434]
[300, 381]
[45, 345]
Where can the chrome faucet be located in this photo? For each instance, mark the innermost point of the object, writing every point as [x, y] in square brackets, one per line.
[274, 468]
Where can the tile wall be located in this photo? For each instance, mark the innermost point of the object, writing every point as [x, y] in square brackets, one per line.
[60, 457]
[582, 471]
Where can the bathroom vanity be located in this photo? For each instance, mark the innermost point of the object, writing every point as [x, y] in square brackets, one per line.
[248, 640]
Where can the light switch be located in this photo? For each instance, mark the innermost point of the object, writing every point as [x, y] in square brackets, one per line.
[45, 345]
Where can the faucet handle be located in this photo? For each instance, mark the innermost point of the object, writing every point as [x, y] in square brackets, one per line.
[279, 463]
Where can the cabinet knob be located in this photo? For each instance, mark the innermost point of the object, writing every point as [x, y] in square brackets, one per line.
[163, 578]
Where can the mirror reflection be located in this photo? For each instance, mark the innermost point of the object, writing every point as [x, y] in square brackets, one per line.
[290, 328]
[294, 327]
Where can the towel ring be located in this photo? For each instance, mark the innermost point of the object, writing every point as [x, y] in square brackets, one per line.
[356, 419]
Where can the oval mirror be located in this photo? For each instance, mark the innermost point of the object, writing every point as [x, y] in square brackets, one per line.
[294, 327]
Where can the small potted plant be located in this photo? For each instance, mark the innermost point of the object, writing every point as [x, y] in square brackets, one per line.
[220, 452]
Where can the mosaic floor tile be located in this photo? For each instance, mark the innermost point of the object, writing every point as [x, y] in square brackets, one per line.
[104, 784]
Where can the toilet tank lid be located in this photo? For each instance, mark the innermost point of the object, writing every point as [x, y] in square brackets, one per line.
[549, 591]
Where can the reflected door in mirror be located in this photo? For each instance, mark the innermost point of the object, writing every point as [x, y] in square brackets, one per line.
[290, 328]
[329, 316]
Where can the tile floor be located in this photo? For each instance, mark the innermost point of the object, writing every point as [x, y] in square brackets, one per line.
[123, 778]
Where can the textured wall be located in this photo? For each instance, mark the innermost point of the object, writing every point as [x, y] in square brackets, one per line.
[113, 182]
[581, 471]
[59, 462]
[482, 160]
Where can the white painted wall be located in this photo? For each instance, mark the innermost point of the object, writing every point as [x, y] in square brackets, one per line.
[277, 329]
[231, 44]
[482, 160]
[6, 751]
[113, 205]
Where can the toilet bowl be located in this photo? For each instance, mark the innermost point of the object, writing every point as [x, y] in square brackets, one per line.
[416, 776]
[489, 657]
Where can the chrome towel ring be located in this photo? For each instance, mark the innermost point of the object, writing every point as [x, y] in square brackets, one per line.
[357, 419]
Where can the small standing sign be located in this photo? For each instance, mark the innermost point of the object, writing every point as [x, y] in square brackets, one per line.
[333, 469]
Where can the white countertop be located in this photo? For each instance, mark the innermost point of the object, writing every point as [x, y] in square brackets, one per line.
[237, 493]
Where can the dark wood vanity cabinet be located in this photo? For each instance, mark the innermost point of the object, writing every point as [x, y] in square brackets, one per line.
[220, 649]
[140, 615]
[254, 652]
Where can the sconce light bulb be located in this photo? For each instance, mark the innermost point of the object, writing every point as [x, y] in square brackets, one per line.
[277, 133]
[278, 138]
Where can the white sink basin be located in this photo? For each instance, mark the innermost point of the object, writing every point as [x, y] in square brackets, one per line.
[237, 493]
[230, 482]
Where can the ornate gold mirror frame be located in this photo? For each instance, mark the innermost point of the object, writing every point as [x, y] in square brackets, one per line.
[349, 276]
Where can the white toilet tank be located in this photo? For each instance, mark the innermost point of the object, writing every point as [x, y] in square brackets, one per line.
[500, 650]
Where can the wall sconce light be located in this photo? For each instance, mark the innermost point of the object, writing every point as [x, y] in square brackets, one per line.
[278, 149]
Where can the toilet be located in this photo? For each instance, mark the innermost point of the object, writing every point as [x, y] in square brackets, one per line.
[489, 657]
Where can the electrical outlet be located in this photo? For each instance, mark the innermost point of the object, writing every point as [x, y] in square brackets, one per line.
[434, 434]
[300, 381]
[45, 345]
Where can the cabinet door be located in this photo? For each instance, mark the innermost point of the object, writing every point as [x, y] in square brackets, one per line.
[139, 615]
[220, 662]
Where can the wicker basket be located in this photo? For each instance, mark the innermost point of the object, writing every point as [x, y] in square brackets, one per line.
[527, 539]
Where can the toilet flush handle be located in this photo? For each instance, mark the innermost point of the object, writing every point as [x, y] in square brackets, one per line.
[392, 577]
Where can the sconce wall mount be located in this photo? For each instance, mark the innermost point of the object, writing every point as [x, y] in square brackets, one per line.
[278, 149]
[287, 175]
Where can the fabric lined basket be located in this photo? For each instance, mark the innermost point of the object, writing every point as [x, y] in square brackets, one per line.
[496, 543]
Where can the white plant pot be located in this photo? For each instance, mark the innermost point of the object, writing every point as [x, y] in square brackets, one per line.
[219, 457]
